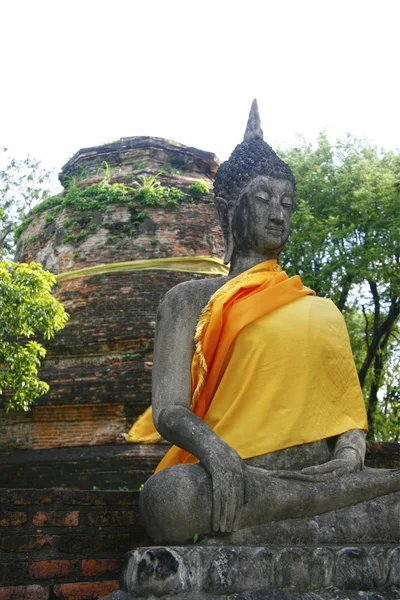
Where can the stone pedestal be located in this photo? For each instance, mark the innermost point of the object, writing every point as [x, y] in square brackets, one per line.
[250, 572]
[348, 554]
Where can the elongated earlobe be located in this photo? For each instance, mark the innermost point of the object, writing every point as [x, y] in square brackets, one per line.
[225, 218]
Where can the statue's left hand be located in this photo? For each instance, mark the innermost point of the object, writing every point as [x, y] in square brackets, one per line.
[349, 462]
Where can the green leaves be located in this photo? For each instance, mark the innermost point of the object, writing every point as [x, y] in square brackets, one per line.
[27, 308]
[200, 187]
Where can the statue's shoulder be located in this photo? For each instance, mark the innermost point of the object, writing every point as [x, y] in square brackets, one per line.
[190, 296]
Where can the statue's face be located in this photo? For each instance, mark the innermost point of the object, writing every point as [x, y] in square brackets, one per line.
[262, 215]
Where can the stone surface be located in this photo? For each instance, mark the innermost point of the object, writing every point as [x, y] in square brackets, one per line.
[373, 522]
[276, 571]
[140, 154]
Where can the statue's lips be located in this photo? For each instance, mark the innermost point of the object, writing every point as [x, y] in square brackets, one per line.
[274, 229]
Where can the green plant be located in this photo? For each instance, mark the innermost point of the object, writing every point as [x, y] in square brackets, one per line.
[49, 218]
[52, 202]
[173, 196]
[98, 196]
[200, 187]
[138, 166]
[148, 182]
[80, 174]
[69, 237]
[21, 228]
[27, 309]
[33, 238]
[195, 538]
[76, 255]
[154, 241]
[107, 172]
[68, 222]
[81, 235]
[167, 168]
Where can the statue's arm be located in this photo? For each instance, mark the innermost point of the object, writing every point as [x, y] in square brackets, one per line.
[173, 351]
[351, 447]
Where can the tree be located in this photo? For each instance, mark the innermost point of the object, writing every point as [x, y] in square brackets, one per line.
[23, 183]
[27, 308]
[345, 244]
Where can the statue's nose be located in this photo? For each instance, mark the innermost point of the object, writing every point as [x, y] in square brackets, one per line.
[276, 214]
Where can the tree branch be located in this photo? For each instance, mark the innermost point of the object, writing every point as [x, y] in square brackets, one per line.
[380, 331]
[3, 235]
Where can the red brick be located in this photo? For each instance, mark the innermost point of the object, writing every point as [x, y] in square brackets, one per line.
[88, 590]
[59, 519]
[26, 543]
[44, 569]
[32, 496]
[111, 518]
[12, 519]
[24, 592]
[100, 566]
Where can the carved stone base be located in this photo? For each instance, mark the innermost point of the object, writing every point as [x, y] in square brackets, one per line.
[329, 572]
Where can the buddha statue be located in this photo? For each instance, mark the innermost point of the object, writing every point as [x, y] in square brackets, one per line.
[254, 381]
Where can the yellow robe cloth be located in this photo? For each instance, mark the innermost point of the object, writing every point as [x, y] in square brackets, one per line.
[272, 368]
[290, 379]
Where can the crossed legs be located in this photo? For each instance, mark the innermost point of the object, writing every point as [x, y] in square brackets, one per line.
[176, 502]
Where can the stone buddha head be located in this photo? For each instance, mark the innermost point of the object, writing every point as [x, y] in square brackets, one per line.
[254, 193]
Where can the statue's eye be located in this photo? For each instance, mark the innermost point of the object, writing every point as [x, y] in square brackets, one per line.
[263, 196]
[286, 201]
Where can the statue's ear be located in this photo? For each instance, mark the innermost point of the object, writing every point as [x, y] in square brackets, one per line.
[225, 218]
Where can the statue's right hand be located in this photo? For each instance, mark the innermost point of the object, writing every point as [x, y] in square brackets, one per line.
[227, 472]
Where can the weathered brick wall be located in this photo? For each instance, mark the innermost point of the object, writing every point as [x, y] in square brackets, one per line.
[108, 467]
[99, 366]
[65, 544]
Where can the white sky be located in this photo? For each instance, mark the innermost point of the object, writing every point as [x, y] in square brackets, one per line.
[79, 73]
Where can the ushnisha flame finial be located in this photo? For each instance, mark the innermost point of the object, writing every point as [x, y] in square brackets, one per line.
[253, 129]
[251, 158]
